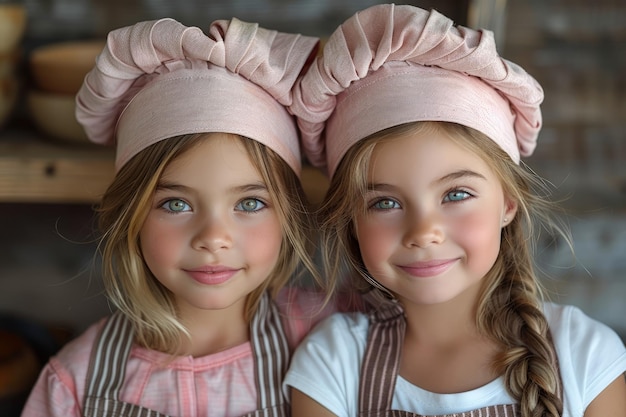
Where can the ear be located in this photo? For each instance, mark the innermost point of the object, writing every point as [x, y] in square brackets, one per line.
[510, 210]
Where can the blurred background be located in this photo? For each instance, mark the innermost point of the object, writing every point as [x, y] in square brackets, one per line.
[50, 177]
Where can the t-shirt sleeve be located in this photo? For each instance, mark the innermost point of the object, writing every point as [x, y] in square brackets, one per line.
[51, 396]
[327, 363]
[60, 388]
[591, 354]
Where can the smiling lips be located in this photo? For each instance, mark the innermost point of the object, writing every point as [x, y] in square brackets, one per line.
[428, 268]
[212, 275]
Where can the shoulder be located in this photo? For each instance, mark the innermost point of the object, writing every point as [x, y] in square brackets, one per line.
[338, 334]
[591, 354]
[326, 365]
[570, 324]
[61, 383]
[71, 363]
[356, 323]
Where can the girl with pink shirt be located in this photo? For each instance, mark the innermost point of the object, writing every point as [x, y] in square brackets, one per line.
[204, 226]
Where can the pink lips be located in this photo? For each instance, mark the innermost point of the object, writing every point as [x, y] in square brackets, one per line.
[212, 275]
[429, 268]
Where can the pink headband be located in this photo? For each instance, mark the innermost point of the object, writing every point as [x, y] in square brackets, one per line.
[159, 79]
[389, 65]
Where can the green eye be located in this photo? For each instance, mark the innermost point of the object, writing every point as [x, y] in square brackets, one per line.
[386, 204]
[176, 206]
[250, 205]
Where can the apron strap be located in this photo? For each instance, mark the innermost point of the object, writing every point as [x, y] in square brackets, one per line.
[508, 410]
[381, 362]
[107, 369]
[271, 354]
[112, 348]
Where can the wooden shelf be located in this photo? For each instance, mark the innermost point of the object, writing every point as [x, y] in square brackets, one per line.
[39, 170]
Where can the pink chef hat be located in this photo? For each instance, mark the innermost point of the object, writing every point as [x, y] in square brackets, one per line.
[389, 65]
[159, 79]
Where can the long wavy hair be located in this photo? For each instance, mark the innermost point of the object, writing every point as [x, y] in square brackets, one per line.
[510, 304]
[130, 285]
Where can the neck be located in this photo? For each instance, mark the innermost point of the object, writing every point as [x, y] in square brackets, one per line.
[435, 325]
[443, 323]
[213, 331]
[443, 350]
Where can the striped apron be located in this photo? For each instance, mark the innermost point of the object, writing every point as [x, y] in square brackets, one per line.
[112, 348]
[380, 368]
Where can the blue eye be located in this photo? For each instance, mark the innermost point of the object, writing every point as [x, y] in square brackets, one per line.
[456, 195]
[386, 204]
[250, 205]
[176, 206]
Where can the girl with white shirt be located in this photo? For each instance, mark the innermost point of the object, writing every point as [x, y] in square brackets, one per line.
[420, 125]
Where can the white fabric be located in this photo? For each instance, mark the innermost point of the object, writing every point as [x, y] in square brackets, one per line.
[326, 366]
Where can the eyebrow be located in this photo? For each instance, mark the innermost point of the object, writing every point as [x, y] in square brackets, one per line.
[170, 186]
[463, 173]
[256, 186]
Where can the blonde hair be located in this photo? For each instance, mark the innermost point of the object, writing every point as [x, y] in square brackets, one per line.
[509, 309]
[130, 285]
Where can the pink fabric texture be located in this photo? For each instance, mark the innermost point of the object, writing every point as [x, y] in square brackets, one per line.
[220, 384]
[389, 64]
[158, 79]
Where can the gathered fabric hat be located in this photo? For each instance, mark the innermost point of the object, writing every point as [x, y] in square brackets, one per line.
[388, 65]
[159, 79]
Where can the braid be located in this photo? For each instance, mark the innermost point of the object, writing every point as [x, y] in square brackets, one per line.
[510, 307]
[513, 317]
[510, 312]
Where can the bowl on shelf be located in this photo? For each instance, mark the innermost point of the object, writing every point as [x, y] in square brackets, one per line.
[53, 114]
[9, 90]
[61, 67]
[12, 26]
[9, 63]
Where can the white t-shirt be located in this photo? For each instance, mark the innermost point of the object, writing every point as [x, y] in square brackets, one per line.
[327, 364]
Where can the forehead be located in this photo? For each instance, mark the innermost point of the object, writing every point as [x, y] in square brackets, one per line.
[215, 157]
[424, 152]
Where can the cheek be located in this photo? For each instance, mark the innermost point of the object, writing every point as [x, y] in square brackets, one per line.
[480, 235]
[159, 243]
[375, 241]
[262, 242]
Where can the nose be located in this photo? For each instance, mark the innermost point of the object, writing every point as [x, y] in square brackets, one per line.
[212, 234]
[423, 230]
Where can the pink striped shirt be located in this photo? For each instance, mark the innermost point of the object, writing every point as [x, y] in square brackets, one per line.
[220, 384]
